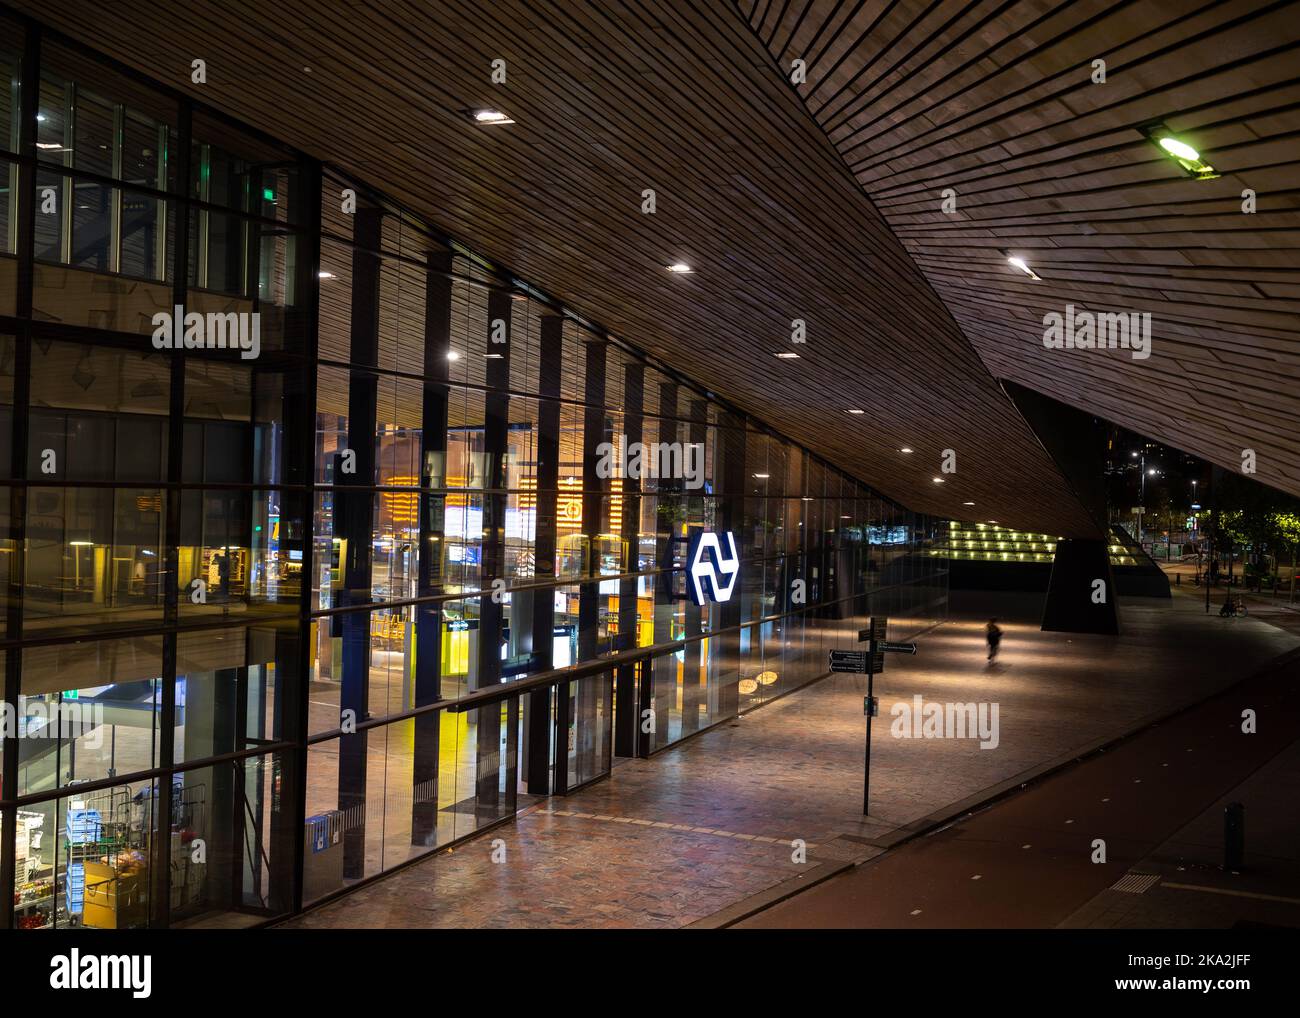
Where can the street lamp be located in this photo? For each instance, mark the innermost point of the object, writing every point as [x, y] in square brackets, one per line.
[1142, 498]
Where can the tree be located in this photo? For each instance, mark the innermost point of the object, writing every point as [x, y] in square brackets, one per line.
[1287, 526]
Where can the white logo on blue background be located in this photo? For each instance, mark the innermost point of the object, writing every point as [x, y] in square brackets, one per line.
[714, 561]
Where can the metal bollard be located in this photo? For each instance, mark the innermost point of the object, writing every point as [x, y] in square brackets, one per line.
[1234, 836]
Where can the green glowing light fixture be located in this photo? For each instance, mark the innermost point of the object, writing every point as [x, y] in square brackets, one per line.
[1184, 154]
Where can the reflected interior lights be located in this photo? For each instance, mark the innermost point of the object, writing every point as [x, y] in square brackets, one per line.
[788, 356]
[681, 269]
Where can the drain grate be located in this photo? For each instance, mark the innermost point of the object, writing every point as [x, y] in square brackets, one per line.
[1136, 883]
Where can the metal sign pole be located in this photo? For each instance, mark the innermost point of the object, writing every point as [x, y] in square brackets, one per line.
[866, 771]
[866, 662]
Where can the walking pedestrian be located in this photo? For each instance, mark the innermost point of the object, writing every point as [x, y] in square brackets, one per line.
[994, 637]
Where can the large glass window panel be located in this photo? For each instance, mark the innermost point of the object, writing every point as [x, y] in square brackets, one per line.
[94, 556]
[146, 236]
[85, 860]
[8, 565]
[52, 202]
[240, 552]
[233, 169]
[397, 432]
[335, 336]
[236, 429]
[402, 290]
[364, 662]
[8, 232]
[89, 225]
[232, 843]
[8, 355]
[228, 682]
[101, 381]
[486, 761]
[345, 812]
[590, 732]
[10, 60]
[88, 711]
[277, 290]
[94, 119]
[417, 817]
[219, 255]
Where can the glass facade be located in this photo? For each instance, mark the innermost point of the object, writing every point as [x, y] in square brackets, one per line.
[278, 623]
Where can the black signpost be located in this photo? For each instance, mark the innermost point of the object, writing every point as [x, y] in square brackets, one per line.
[869, 661]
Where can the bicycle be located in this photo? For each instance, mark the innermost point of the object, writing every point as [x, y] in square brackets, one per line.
[1233, 606]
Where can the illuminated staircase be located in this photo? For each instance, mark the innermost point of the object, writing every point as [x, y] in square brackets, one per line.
[989, 557]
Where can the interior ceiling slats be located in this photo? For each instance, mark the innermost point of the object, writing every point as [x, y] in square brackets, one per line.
[996, 101]
[611, 99]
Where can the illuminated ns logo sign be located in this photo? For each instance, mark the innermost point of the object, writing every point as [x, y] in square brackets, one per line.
[713, 566]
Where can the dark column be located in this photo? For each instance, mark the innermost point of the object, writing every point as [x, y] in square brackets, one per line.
[730, 472]
[595, 500]
[26, 213]
[625, 708]
[289, 805]
[428, 617]
[354, 508]
[1071, 606]
[161, 877]
[662, 671]
[697, 432]
[595, 430]
[496, 422]
[538, 706]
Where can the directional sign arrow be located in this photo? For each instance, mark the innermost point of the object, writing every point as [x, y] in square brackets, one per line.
[849, 661]
[900, 648]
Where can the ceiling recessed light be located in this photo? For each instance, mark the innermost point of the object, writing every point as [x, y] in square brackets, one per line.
[905, 449]
[452, 355]
[1179, 151]
[1020, 264]
[806, 498]
[855, 411]
[993, 521]
[495, 356]
[681, 268]
[968, 503]
[937, 480]
[788, 356]
[490, 118]
[325, 275]
[762, 477]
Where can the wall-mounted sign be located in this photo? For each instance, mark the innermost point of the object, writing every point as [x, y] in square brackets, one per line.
[712, 566]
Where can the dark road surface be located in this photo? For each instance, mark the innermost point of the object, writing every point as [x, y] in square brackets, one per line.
[1026, 861]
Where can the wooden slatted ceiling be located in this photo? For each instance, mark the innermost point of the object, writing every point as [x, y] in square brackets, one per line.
[995, 100]
[610, 99]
